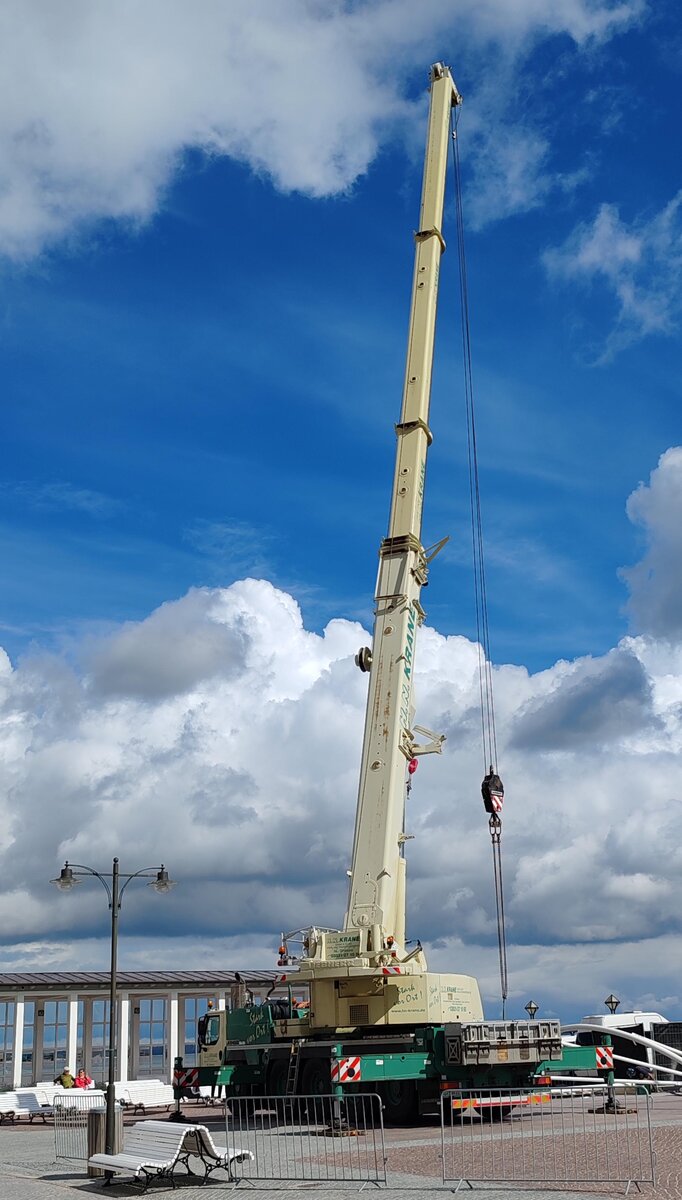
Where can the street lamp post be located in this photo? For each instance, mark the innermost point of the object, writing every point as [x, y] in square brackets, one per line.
[611, 1003]
[531, 1008]
[160, 882]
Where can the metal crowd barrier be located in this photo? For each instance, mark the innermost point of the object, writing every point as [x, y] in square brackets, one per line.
[70, 1112]
[316, 1139]
[548, 1135]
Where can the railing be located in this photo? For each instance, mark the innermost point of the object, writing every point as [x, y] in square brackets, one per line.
[549, 1135]
[316, 1139]
[71, 1122]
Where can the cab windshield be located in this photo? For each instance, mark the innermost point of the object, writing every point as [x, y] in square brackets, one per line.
[209, 1029]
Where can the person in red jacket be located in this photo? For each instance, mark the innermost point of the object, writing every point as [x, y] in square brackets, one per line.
[82, 1080]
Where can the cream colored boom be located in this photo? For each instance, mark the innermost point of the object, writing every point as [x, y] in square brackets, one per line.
[376, 904]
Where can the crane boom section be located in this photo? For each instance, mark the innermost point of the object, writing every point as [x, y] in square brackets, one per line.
[376, 905]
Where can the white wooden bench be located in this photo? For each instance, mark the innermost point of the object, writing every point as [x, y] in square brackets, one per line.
[199, 1144]
[147, 1154]
[9, 1103]
[14, 1105]
[79, 1098]
[30, 1105]
[202, 1095]
[139, 1095]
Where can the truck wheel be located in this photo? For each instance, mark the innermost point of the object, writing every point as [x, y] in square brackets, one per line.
[400, 1101]
[276, 1078]
[316, 1077]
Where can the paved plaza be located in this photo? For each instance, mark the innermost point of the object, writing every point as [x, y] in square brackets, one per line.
[30, 1171]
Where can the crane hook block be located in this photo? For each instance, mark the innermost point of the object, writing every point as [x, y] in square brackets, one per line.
[492, 790]
[363, 658]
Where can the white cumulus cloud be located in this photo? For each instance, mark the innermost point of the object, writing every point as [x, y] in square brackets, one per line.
[656, 582]
[639, 263]
[223, 737]
[101, 102]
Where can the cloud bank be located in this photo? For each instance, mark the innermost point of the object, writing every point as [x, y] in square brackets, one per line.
[101, 103]
[639, 264]
[221, 736]
[656, 582]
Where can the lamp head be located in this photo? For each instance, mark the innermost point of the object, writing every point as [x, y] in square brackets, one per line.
[531, 1009]
[162, 883]
[66, 879]
[612, 1003]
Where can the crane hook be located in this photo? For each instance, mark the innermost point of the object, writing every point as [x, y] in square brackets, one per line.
[492, 790]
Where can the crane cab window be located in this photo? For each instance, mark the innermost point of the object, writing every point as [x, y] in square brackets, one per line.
[208, 1029]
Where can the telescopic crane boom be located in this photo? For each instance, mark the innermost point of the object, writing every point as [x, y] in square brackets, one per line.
[376, 902]
[372, 941]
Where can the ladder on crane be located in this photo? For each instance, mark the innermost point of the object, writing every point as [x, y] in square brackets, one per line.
[293, 1068]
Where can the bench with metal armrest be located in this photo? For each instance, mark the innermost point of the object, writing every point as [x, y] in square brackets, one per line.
[199, 1144]
[153, 1149]
[25, 1103]
[147, 1154]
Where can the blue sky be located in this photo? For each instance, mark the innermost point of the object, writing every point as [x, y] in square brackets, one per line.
[204, 294]
[238, 359]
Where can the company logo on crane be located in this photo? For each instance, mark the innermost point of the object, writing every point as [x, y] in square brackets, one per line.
[408, 653]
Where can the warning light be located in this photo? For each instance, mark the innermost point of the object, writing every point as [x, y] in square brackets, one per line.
[412, 765]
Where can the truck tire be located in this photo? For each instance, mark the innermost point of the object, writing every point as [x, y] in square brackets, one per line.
[276, 1077]
[316, 1077]
[400, 1101]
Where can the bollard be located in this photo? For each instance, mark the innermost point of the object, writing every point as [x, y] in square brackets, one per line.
[338, 1121]
[96, 1127]
[177, 1115]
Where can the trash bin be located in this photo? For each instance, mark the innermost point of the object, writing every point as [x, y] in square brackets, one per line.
[97, 1134]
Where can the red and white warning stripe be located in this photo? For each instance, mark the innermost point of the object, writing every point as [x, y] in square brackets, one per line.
[392, 970]
[185, 1077]
[604, 1056]
[346, 1070]
[502, 1102]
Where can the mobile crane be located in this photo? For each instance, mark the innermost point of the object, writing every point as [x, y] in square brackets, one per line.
[376, 1016]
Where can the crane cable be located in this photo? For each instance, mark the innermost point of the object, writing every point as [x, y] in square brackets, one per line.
[492, 788]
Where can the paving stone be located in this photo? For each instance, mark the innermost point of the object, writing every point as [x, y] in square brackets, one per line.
[28, 1170]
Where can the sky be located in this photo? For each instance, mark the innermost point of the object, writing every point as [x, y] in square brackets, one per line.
[206, 247]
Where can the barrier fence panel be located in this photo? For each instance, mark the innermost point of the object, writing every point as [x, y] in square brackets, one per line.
[71, 1123]
[309, 1138]
[549, 1135]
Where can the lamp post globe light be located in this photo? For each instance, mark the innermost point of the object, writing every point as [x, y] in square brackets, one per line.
[114, 884]
[612, 1003]
[531, 1008]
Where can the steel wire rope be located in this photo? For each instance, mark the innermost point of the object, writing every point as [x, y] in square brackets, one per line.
[485, 675]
